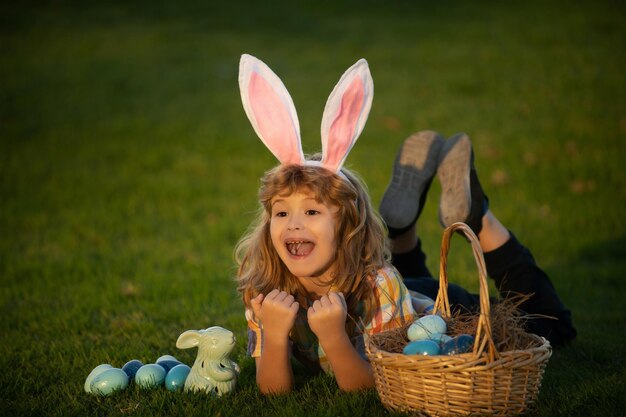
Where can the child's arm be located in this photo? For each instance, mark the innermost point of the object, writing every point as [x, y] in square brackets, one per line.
[277, 312]
[327, 318]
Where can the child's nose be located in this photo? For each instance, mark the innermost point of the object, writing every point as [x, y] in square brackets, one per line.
[295, 223]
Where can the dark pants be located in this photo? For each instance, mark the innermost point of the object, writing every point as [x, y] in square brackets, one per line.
[514, 271]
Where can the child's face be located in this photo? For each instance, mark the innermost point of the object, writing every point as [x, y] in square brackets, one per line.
[303, 233]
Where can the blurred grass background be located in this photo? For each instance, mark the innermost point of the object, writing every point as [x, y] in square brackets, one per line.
[128, 171]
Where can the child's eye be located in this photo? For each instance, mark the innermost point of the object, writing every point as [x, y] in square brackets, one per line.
[312, 212]
[280, 214]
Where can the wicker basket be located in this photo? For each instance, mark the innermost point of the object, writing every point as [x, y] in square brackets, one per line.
[483, 382]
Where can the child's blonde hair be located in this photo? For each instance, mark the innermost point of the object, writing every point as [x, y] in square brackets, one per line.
[362, 248]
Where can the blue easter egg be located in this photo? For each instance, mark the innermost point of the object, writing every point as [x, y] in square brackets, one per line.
[462, 343]
[95, 372]
[131, 367]
[426, 326]
[167, 358]
[150, 376]
[176, 377]
[440, 338]
[168, 364]
[421, 347]
[109, 381]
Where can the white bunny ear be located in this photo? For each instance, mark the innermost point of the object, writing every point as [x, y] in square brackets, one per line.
[270, 110]
[345, 114]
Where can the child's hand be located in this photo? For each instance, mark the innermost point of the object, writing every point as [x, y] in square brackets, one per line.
[277, 312]
[327, 316]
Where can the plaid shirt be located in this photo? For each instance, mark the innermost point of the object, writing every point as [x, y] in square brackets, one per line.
[393, 308]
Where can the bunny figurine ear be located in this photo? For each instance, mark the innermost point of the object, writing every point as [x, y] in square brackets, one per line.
[188, 339]
[270, 110]
[345, 114]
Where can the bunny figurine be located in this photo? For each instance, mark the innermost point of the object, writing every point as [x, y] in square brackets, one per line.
[213, 372]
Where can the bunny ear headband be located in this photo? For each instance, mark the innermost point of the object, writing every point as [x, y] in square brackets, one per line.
[274, 119]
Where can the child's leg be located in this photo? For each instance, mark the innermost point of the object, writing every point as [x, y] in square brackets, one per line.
[513, 268]
[413, 171]
[402, 203]
[510, 264]
[412, 266]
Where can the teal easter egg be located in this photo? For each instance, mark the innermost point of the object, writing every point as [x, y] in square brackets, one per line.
[131, 367]
[168, 364]
[421, 347]
[462, 343]
[95, 372]
[176, 377]
[150, 376]
[425, 326]
[109, 381]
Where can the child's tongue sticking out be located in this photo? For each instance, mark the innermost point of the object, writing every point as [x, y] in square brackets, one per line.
[300, 248]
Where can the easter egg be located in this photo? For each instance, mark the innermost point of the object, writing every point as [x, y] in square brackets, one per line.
[168, 364]
[425, 326]
[150, 376]
[176, 377]
[131, 367]
[109, 381]
[421, 347]
[460, 344]
[440, 338]
[166, 358]
[95, 372]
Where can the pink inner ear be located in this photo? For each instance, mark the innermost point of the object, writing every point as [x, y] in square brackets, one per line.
[273, 120]
[342, 130]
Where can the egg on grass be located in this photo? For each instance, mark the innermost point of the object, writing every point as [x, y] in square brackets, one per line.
[150, 376]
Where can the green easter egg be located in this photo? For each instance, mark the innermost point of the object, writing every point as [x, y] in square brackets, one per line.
[109, 381]
[150, 376]
[426, 326]
[95, 372]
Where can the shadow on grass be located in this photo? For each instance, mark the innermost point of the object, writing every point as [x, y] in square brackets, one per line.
[587, 377]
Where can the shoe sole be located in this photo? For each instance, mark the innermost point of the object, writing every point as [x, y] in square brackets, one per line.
[454, 175]
[413, 169]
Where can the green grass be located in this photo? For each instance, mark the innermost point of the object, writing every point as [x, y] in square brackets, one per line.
[128, 171]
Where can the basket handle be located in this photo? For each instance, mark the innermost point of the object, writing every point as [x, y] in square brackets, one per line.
[483, 341]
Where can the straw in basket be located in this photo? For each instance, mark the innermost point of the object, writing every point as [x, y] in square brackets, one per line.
[482, 382]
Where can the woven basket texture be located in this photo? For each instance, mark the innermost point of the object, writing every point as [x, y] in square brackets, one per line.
[482, 382]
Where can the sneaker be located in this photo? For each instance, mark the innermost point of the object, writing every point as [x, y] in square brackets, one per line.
[462, 197]
[413, 171]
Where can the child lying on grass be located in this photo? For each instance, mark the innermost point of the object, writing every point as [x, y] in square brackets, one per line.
[314, 268]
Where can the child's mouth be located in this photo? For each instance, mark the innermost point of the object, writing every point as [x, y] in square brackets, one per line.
[300, 247]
